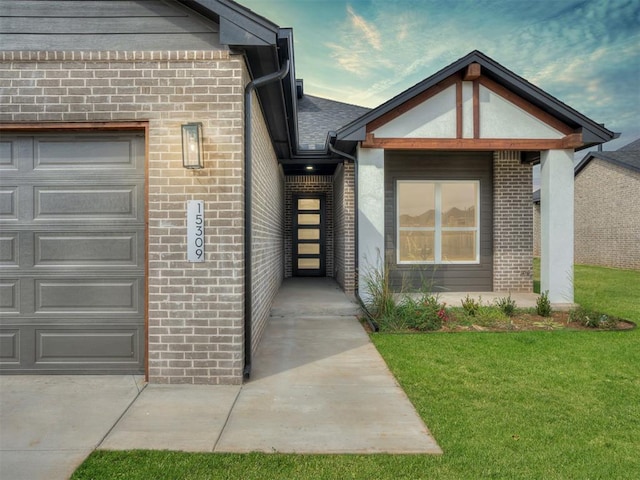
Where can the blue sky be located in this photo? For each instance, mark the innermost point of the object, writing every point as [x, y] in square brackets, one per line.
[585, 53]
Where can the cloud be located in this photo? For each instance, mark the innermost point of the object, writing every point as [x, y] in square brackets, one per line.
[371, 34]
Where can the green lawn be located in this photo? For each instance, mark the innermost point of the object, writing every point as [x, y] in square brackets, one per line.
[530, 405]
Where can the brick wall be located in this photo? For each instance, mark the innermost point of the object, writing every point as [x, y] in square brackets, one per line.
[512, 223]
[295, 184]
[195, 309]
[607, 216]
[267, 247]
[344, 226]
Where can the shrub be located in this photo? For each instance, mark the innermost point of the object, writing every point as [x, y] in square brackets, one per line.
[381, 301]
[425, 313]
[489, 316]
[591, 319]
[543, 305]
[471, 305]
[507, 305]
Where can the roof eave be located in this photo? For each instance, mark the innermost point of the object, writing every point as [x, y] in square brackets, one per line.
[239, 26]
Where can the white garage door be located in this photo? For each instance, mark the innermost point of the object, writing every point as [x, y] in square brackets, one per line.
[72, 248]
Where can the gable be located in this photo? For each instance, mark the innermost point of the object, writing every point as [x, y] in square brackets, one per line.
[459, 108]
[494, 109]
[441, 115]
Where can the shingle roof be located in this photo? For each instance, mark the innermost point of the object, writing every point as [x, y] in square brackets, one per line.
[633, 146]
[627, 157]
[318, 116]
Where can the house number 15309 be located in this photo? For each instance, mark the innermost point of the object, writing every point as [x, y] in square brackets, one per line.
[195, 231]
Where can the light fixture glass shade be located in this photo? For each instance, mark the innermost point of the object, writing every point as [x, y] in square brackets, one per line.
[192, 145]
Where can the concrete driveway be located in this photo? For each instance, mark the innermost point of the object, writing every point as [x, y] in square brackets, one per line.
[50, 424]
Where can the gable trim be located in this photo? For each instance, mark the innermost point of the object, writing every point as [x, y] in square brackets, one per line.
[592, 132]
[472, 144]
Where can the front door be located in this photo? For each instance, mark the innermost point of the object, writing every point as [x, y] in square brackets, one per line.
[308, 236]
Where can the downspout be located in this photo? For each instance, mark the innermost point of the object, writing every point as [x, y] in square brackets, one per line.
[370, 320]
[248, 311]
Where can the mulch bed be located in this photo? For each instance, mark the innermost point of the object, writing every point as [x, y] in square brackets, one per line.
[529, 322]
[522, 322]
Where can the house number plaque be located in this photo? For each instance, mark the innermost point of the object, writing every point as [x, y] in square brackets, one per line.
[195, 231]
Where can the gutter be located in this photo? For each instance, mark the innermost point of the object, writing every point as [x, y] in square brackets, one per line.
[248, 310]
[370, 320]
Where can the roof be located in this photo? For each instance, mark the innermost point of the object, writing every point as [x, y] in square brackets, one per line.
[633, 146]
[626, 157]
[266, 47]
[592, 133]
[317, 116]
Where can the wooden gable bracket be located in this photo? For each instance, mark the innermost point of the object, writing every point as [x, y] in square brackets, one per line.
[572, 141]
[473, 72]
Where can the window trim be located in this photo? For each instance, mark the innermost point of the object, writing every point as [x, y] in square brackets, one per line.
[437, 228]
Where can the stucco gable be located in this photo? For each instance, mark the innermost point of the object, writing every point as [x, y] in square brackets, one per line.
[472, 72]
[441, 116]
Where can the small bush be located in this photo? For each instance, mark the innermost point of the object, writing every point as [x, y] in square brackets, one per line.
[424, 314]
[471, 305]
[507, 305]
[490, 316]
[591, 319]
[543, 305]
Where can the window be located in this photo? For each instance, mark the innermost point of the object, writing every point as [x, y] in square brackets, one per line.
[438, 222]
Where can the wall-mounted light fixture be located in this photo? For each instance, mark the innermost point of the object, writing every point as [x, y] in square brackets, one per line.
[309, 167]
[192, 145]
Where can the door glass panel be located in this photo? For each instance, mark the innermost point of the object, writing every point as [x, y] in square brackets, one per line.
[309, 248]
[308, 204]
[459, 204]
[416, 204]
[417, 246]
[308, 234]
[308, 263]
[308, 219]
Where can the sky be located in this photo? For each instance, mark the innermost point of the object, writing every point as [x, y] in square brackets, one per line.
[586, 53]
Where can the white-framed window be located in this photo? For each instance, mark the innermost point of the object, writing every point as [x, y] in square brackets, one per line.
[438, 221]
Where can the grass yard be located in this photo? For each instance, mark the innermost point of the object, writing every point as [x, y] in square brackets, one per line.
[528, 405]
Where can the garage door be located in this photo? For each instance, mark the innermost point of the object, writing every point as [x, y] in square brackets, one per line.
[72, 245]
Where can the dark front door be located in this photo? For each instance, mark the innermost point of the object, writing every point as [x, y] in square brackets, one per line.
[308, 236]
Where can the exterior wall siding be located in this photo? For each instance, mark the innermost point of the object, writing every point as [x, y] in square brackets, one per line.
[195, 310]
[607, 216]
[267, 245]
[344, 226]
[418, 165]
[513, 223]
[298, 184]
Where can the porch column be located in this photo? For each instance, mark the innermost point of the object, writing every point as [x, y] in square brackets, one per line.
[556, 225]
[370, 186]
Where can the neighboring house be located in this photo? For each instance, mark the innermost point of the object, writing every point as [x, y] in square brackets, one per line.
[607, 208]
[99, 273]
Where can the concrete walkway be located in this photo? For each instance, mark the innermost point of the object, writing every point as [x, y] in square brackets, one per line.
[318, 385]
